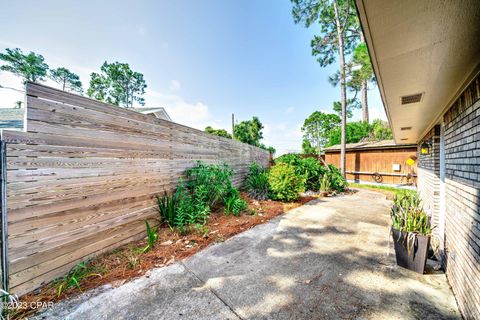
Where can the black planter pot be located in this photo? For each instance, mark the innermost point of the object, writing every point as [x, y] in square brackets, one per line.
[410, 254]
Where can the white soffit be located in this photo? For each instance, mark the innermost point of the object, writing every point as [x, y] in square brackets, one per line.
[428, 47]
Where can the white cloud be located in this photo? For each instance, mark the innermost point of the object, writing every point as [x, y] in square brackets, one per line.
[174, 85]
[285, 137]
[192, 114]
[377, 112]
[12, 90]
[7, 79]
[290, 109]
[8, 97]
[295, 132]
[7, 44]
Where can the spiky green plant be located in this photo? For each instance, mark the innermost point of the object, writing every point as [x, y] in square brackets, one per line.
[167, 207]
[409, 217]
[152, 236]
[325, 185]
[80, 271]
[256, 182]
[408, 214]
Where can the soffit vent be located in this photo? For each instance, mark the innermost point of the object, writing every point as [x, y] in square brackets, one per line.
[412, 98]
[406, 128]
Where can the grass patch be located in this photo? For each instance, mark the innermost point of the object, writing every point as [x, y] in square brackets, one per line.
[390, 192]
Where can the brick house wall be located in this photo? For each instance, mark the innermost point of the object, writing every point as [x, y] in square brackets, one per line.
[462, 183]
[428, 182]
[462, 189]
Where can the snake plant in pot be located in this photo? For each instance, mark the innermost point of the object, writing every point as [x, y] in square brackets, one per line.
[411, 231]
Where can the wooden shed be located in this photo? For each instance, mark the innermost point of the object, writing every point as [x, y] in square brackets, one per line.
[377, 162]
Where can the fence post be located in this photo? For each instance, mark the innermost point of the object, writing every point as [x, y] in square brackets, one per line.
[4, 221]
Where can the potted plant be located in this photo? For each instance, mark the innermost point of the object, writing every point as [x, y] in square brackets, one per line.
[411, 231]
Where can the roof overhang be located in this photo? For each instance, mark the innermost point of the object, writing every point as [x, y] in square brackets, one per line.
[159, 112]
[336, 148]
[430, 47]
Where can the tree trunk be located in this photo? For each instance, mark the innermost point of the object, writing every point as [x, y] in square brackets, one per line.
[364, 101]
[342, 88]
[127, 97]
[364, 90]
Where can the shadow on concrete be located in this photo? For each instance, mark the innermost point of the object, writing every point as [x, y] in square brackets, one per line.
[339, 267]
[332, 260]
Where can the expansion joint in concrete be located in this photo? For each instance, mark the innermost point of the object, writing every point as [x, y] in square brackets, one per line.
[211, 290]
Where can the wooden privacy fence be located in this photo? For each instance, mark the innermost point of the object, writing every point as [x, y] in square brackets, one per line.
[84, 176]
[362, 164]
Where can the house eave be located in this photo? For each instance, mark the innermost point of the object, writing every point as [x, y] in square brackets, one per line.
[420, 47]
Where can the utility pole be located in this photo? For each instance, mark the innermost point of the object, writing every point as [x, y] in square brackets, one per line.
[233, 126]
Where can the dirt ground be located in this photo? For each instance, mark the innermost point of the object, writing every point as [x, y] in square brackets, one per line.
[127, 262]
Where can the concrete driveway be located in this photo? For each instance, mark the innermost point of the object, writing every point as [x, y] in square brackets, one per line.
[329, 259]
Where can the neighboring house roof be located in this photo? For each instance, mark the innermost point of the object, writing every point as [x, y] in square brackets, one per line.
[384, 144]
[12, 118]
[157, 112]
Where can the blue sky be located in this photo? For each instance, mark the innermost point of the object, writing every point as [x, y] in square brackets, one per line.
[202, 59]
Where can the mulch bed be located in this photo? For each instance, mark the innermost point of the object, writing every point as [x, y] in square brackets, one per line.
[127, 262]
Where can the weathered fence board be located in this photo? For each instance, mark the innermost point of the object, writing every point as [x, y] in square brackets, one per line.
[83, 178]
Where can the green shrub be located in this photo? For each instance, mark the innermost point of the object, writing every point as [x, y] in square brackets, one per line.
[214, 179]
[205, 186]
[290, 158]
[408, 215]
[192, 205]
[284, 183]
[233, 203]
[311, 169]
[256, 182]
[337, 181]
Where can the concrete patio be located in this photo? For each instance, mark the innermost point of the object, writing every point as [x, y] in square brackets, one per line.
[330, 259]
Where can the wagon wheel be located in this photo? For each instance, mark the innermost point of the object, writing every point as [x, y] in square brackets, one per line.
[377, 177]
[409, 178]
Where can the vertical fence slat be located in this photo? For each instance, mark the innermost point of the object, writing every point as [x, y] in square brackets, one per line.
[4, 222]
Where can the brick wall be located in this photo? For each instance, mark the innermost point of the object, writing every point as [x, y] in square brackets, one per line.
[462, 184]
[462, 188]
[428, 182]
